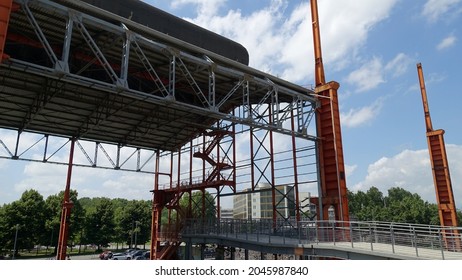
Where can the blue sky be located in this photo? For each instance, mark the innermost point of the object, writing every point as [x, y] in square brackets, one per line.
[370, 47]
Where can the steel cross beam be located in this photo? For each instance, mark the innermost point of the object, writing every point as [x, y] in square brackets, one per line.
[112, 157]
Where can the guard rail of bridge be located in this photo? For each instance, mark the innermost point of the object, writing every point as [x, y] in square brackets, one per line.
[415, 240]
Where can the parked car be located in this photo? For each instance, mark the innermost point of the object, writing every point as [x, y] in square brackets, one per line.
[105, 255]
[136, 253]
[128, 251]
[120, 256]
[145, 256]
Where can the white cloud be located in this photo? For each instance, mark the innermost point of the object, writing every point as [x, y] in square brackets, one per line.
[47, 180]
[343, 33]
[50, 179]
[204, 7]
[411, 170]
[373, 73]
[447, 42]
[436, 9]
[283, 46]
[357, 117]
[369, 76]
[350, 169]
[398, 65]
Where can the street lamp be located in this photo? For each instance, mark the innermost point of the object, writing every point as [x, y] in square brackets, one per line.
[15, 241]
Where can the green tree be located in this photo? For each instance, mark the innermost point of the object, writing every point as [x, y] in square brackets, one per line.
[99, 223]
[199, 200]
[133, 222]
[4, 230]
[53, 222]
[368, 206]
[406, 207]
[399, 206]
[27, 216]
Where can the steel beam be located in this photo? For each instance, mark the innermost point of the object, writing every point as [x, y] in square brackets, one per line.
[66, 209]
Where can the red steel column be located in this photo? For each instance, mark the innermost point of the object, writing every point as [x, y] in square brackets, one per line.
[5, 11]
[156, 212]
[332, 166]
[66, 210]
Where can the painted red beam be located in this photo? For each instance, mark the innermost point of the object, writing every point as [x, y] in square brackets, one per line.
[6, 8]
[66, 210]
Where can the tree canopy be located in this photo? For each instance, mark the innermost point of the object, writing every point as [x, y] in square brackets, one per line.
[399, 205]
[102, 220]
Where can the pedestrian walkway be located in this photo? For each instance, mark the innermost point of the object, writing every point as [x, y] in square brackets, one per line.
[352, 240]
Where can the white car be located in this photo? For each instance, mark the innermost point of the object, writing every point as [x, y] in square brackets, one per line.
[120, 256]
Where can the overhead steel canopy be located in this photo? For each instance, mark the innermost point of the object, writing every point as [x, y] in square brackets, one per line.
[102, 77]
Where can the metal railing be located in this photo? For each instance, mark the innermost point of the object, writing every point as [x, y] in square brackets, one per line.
[405, 240]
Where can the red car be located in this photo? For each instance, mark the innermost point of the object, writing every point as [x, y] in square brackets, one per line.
[105, 255]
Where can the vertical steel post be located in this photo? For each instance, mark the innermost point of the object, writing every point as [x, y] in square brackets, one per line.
[171, 186]
[351, 235]
[370, 236]
[156, 216]
[252, 158]
[219, 167]
[294, 156]
[66, 210]
[234, 156]
[177, 218]
[333, 232]
[440, 239]
[273, 180]
[319, 66]
[189, 214]
[392, 231]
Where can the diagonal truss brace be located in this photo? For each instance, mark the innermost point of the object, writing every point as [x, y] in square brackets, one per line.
[119, 82]
[147, 64]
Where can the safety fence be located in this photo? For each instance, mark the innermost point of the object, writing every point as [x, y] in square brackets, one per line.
[405, 240]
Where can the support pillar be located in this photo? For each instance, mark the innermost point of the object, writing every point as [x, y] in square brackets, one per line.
[66, 210]
[332, 167]
[156, 212]
[220, 253]
[232, 252]
[202, 251]
[188, 250]
[246, 254]
[294, 158]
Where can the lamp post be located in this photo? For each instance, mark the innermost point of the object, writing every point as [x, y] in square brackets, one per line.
[15, 241]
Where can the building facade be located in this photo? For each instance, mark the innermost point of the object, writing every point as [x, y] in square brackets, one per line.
[259, 203]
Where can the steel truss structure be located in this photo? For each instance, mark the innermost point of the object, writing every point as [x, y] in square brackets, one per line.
[91, 81]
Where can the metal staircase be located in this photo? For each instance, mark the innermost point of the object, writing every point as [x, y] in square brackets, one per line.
[168, 237]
